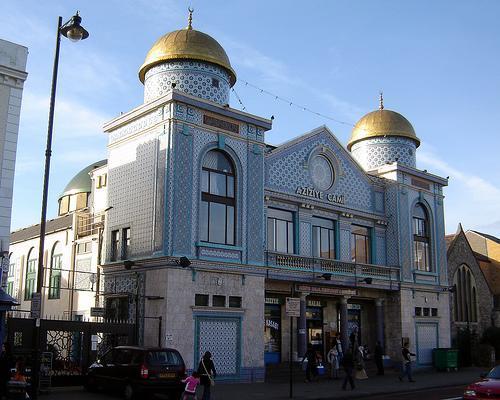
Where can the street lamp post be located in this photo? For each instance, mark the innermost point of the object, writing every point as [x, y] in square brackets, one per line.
[75, 32]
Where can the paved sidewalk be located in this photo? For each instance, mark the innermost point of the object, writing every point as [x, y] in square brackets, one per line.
[327, 389]
[321, 390]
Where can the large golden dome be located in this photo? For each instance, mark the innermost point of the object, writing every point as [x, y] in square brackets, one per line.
[187, 44]
[382, 123]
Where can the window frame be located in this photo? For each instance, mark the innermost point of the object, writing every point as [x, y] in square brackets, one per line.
[421, 239]
[210, 201]
[367, 244]
[31, 276]
[321, 225]
[276, 216]
[55, 276]
[115, 244]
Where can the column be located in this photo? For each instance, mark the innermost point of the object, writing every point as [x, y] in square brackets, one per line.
[344, 337]
[379, 309]
[302, 327]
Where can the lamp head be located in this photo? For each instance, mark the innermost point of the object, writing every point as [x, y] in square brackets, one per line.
[184, 262]
[73, 30]
[128, 264]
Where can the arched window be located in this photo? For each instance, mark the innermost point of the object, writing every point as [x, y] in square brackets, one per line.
[218, 201]
[465, 295]
[30, 282]
[55, 272]
[10, 275]
[421, 239]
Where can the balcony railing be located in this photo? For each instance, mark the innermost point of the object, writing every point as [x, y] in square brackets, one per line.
[88, 223]
[334, 267]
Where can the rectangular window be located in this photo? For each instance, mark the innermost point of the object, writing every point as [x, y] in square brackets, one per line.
[10, 288]
[234, 301]
[418, 311]
[426, 311]
[30, 285]
[55, 277]
[102, 181]
[218, 301]
[201, 300]
[117, 308]
[421, 256]
[64, 205]
[85, 247]
[323, 238]
[434, 312]
[280, 231]
[126, 243]
[115, 244]
[12, 269]
[360, 244]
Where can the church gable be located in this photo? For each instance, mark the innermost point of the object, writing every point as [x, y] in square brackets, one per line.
[302, 167]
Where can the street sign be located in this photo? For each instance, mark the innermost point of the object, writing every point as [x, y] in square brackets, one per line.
[36, 305]
[292, 306]
[97, 311]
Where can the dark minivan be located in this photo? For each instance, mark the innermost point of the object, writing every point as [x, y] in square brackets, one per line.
[138, 371]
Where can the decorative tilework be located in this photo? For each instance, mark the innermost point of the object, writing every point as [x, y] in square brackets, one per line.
[219, 253]
[345, 244]
[192, 77]
[137, 125]
[305, 239]
[255, 198]
[373, 153]
[221, 337]
[381, 248]
[379, 202]
[183, 170]
[285, 171]
[392, 227]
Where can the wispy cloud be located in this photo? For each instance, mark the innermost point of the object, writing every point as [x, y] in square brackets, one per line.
[72, 119]
[465, 189]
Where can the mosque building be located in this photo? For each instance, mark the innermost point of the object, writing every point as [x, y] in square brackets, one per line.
[212, 229]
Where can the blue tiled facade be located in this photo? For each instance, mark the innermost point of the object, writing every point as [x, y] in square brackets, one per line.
[231, 296]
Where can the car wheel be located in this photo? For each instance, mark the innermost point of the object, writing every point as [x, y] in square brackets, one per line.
[129, 392]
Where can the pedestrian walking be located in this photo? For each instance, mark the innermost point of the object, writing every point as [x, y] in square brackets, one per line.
[339, 348]
[406, 367]
[312, 362]
[348, 364]
[333, 359]
[206, 370]
[359, 363]
[191, 383]
[379, 352]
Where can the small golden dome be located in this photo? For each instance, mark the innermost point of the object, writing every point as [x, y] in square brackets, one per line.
[382, 123]
[187, 44]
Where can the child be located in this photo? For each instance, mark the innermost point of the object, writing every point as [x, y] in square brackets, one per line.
[190, 389]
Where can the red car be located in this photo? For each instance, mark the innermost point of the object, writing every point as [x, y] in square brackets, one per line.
[487, 388]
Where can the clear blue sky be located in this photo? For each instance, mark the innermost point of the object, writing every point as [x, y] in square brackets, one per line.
[437, 62]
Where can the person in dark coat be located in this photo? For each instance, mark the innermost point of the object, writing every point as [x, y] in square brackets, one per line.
[6, 364]
[206, 370]
[312, 362]
[348, 364]
[379, 352]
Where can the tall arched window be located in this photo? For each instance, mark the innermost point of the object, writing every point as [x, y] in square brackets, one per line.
[55, 272]
[10, 275]
[465, 295]
[218, 200]
[421, 239]
[30, 281]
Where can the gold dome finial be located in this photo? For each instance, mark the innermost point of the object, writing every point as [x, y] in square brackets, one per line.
[381, 101]
[190, 18]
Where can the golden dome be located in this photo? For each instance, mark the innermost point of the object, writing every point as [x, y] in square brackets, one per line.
[382, 123]
[187, 44]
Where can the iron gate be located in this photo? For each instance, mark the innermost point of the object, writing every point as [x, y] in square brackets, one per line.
[74, 345]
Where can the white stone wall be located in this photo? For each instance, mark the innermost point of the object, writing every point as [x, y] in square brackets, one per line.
[13, 59]
[178, 287]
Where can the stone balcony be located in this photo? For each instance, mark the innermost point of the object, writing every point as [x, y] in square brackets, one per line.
[339, 272]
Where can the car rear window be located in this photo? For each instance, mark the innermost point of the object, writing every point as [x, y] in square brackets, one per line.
[163, 357]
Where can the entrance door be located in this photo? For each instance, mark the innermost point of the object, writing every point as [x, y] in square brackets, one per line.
[427, 339]
[314, 321]
[221, 336]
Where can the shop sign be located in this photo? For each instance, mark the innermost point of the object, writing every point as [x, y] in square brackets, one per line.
[354, 306]
[332, 291]
[314, 303]
[318, 194]
[272, 324]
[272, 300]
[292, 308]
